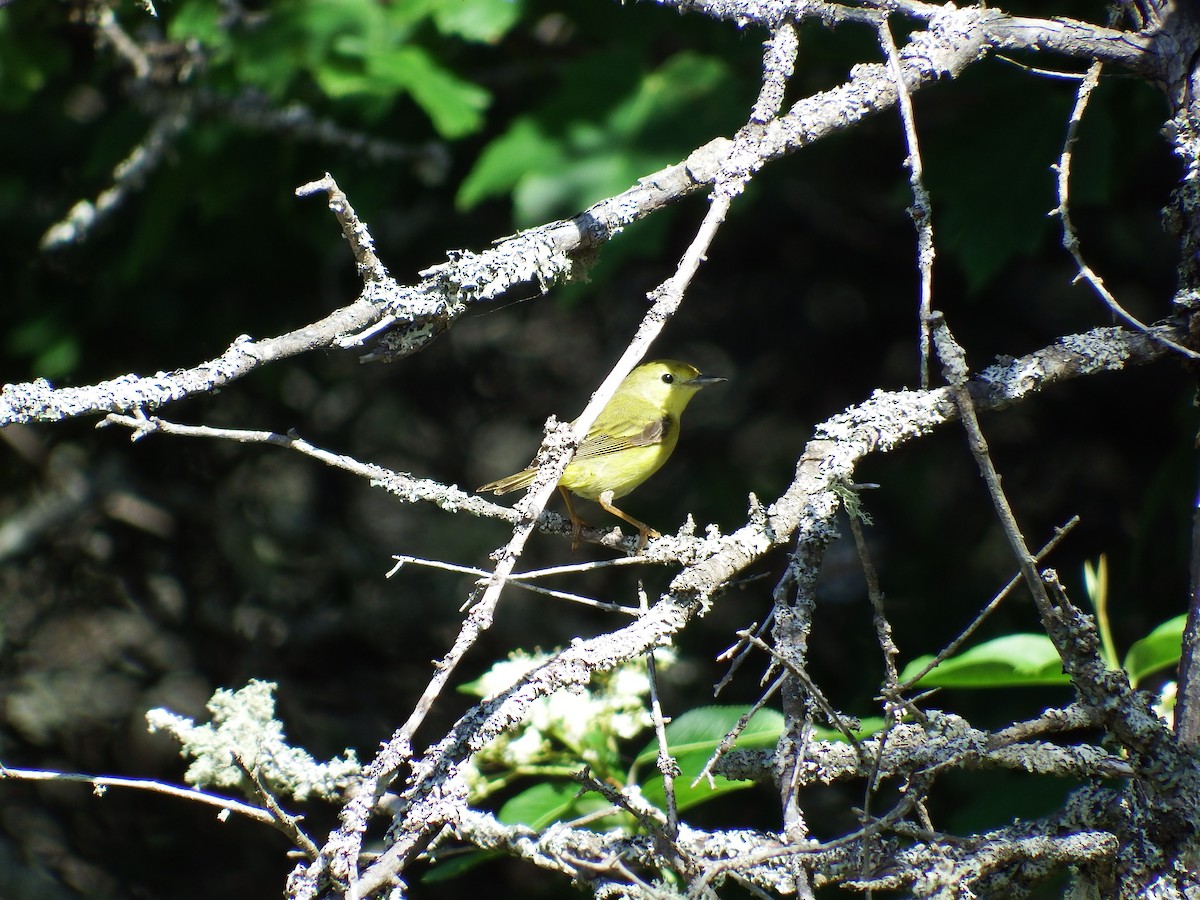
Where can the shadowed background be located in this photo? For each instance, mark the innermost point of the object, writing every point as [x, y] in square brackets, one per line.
[147, 575]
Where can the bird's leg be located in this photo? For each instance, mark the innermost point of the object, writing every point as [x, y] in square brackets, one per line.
[645, 532]
[576, 522]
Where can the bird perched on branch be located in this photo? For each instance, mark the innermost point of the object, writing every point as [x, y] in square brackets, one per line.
[629, 441]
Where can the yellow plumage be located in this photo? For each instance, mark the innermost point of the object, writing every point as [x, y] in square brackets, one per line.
[632, 437]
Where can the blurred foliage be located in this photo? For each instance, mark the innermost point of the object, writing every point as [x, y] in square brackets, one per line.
[361, 52]
[574, 150]
[145, 576]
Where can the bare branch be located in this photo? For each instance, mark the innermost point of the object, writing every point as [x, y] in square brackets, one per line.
[128, 176]
[98, 782]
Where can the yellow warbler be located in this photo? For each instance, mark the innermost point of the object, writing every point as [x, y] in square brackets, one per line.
[631, 438]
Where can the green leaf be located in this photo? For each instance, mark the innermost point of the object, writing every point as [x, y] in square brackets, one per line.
[555, 161]
[330, 41]
[1015, 660]
[866, 727]
[676, 87]
[691, 740]
[574, 185]
[342, 82]
[58, 359]
[359, 49]
[319, 25]
[703, 728]
[1159, 649]
[483, 21]
[540, 805]
[198, 22]
[53, 350]
[455, 106]
[506, 160]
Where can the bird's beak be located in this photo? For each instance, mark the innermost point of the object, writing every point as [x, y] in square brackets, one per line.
[704, 380]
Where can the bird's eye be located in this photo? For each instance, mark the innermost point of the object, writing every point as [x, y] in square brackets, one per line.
[668, 378]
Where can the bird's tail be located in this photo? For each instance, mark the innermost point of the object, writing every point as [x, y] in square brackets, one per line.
[522, 479]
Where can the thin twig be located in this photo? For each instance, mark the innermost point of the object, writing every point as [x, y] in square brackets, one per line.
[883, 628]
[883, 633]
[1071, 632]
[407, 487]
[953, 647]
[589, 566]
[793, 605]
[1187, 704]
[648, 816]
[922, 209]
[740, 651]
[284, 821]
[128, 176]
[779, 63]
[520, 580]
[735, 732]
[954, 365]
[99, 782]
[109, 29]
[1070, 239]
[666, 763]
[1037, 70]
[870, 842]
[651, 817]
[832, 716]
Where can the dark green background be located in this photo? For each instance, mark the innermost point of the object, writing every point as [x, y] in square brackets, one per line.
[249, 562]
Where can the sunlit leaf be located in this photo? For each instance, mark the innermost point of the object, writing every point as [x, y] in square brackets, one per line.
[1015, 660]
[484, 21]
[506, 160]
[1157, 650]
[538, 806]
[454, 105]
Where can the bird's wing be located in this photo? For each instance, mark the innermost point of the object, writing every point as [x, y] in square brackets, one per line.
[613, 435]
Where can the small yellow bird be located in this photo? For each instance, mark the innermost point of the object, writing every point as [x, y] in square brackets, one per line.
[631, 438]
